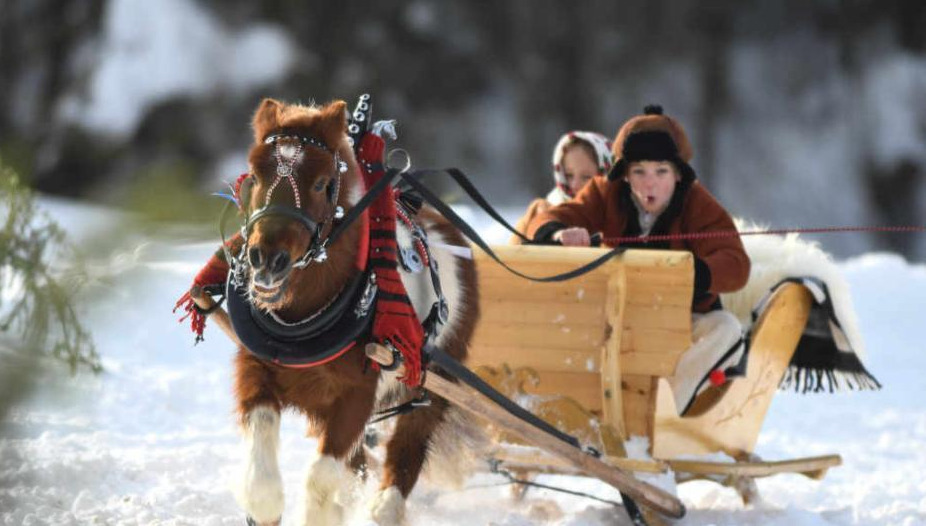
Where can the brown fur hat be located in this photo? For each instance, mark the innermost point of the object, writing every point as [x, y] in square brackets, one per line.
[653, 119]
[652, 137]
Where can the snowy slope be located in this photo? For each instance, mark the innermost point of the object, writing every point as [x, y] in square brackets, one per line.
[153, 439]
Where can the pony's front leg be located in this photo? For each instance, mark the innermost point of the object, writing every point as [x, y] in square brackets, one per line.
[330, 484]
[259, 488]
[406, 454]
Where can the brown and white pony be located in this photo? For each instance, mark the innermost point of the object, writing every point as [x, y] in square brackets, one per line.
[338, 396]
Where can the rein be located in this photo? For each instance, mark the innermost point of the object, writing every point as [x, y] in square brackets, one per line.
[718, 234]
[412, 179]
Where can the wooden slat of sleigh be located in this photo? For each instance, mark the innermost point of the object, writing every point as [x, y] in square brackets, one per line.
[501, 288]
[561, 329]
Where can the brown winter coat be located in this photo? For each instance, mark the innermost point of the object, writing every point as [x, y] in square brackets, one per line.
[605, 206]
[537, 206]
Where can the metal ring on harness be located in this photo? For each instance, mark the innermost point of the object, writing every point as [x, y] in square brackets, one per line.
[396, 357]
[408, 159]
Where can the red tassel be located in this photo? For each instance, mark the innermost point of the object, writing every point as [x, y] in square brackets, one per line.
[215, 272]
[718, 377]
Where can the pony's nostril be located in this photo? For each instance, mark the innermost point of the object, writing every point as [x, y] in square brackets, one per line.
[279, 262]
[254, 257]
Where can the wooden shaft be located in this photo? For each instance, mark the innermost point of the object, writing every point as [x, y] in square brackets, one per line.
[478, 404]
[219, 316]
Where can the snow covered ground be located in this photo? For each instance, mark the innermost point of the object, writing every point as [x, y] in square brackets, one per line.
[153, 439]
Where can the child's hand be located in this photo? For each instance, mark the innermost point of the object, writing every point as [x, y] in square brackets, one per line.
[573, 237]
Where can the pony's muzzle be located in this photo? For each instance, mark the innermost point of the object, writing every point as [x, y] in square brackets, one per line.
[269, 269]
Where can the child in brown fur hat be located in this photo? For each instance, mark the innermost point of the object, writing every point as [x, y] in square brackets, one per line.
[652, 190]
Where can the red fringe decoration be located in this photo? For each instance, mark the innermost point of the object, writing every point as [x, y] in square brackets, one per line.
[395, 320]
[215, 271]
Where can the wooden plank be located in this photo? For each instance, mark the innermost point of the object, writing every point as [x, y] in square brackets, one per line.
[611, 371]
[639, 404]
[650, 277]
[505, 289]
[652, 352]
[538, 461]
[649, 363]
[584, 388]
[508, 311]
[478, 405]
[672, 259]
[665, 317]
[514, 254]
[582, 337]
[546, 268]
[541, 359]
[809, 466]
[651, 296]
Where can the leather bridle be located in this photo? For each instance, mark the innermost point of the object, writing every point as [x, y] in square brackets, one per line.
[317, 249]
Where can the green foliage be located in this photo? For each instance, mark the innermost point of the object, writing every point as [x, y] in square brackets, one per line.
[167, 192]
[36, 300]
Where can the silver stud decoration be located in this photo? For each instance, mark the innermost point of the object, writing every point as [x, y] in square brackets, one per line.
[339, 212]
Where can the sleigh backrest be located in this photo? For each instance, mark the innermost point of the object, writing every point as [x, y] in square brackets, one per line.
[604, 339]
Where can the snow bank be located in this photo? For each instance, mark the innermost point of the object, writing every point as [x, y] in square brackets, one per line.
[153, 440]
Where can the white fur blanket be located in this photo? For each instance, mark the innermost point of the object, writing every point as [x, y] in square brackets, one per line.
[830, 352]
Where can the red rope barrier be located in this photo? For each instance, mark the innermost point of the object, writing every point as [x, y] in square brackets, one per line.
[615, 241]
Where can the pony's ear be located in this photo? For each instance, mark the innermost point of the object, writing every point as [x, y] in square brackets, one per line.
[332, 123]
[267, 118]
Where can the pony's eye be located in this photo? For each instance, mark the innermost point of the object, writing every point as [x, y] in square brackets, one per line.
[319, 185]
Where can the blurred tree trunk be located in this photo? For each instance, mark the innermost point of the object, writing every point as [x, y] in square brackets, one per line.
[715, 32]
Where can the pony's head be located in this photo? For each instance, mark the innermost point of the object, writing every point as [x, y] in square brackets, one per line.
[299, 178]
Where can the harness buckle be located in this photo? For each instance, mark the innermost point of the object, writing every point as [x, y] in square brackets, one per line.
[396, 358]
[367, 298]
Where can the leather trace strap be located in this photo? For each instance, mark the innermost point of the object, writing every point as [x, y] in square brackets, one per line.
[412, 179]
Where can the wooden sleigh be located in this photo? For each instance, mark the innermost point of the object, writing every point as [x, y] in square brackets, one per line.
[591, 357]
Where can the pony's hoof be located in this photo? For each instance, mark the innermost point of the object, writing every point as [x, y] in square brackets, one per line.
[388, 508]
[263, 502]
[329, 490]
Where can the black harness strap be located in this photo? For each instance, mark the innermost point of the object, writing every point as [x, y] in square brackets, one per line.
[459, 371]
[412, 179]
[462, 373]
[473, 236]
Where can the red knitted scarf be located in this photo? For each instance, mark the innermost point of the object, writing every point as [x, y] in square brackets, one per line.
[395, 320]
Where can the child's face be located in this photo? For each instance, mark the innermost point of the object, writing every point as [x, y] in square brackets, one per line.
[579, 168]
[653, 182]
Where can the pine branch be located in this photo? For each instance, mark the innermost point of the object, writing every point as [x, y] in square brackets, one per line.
[36, 308]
